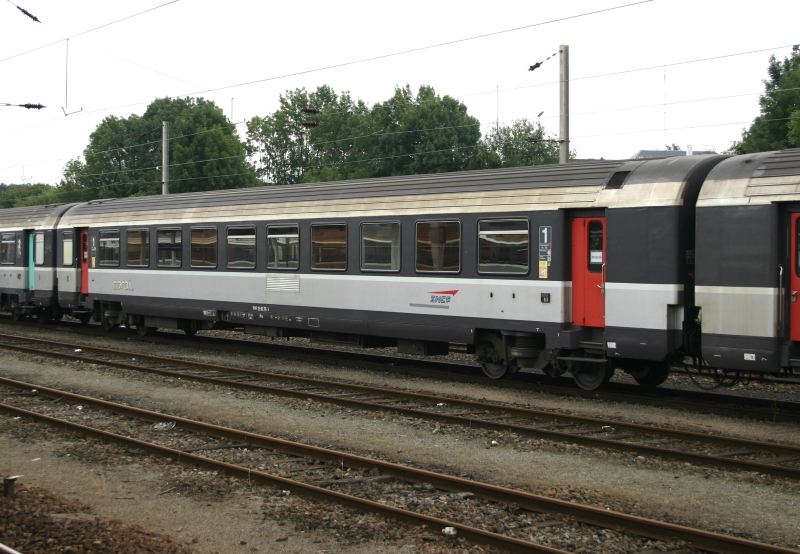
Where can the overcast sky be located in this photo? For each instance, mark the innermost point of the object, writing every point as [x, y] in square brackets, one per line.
[189, 47]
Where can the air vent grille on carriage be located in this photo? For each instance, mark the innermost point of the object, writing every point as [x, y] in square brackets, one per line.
[617, 179]
[283, 282]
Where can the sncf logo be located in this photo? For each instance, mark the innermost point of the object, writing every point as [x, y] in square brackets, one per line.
[442, 297]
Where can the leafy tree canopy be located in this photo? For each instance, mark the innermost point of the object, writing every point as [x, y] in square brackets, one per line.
[409, 133]
[518, 144]
[123, 157]
[12, 196]
[777, 127]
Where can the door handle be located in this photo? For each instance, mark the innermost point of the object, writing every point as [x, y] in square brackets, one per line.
[794, 296]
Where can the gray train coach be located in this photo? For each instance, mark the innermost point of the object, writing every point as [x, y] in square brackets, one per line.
[582, 268]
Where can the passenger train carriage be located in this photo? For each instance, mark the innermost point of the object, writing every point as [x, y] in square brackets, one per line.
[580, 268]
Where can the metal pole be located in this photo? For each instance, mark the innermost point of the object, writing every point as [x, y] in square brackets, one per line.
[165, 157]
[66, 79]
[563, 150]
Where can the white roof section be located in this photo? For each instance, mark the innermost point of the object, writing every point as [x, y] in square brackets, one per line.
[761, 178]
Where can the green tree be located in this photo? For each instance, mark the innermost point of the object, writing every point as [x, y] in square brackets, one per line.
[509, 146]
[284, 151]
[12, 196]
[422, 133]
[777, 127]
[123, 157]
[409, 133]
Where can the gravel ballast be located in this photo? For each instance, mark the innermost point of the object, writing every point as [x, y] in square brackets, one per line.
[748, 505]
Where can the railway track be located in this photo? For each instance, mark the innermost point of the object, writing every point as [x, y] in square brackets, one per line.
[316, 472]
[691, 400]
[779, 460]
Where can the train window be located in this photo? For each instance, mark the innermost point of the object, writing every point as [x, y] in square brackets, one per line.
[204, 247]
[108, 254]
[138, 247]
[503, 246]
[329, 246]
[380, 246]
[241, 247]
[67, 242]
[169, 248]
[8, 252]
[439, 246]
[284, 246]
[38, 249]
[595, 230]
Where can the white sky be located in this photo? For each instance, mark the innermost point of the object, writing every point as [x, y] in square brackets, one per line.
[204, 45]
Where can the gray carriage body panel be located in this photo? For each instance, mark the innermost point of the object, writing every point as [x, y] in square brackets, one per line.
[645, 202]
[743, 260]
[15, 278]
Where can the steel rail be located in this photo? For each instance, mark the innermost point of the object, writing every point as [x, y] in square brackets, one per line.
[467, 421]
[706, 540]
[471, 533]
[727, 405]
[470, 421]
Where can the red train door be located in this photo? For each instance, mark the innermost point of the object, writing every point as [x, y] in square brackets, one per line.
[588, 271]
[84, 252]
[794, 280]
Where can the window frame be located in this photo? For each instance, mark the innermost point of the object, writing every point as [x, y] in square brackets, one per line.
[311, 242]
[398, 236]
[595, 267]
[143, 249]
[4, 239]
[68, 261]
[527, 232]
[101, 248]
[269, 245]
[203, 247]
[39, 249]
[228, 248]
[416, 245]
[179, 250]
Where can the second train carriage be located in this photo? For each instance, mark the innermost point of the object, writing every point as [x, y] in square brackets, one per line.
[28, 281]
[578, 268]
[748, 263]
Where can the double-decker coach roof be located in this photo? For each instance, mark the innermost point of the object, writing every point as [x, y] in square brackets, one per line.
[549, 187]
[760, 178]
[31, 217]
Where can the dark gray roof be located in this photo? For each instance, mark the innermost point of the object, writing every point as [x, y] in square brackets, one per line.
[31, 217]
[518, 178]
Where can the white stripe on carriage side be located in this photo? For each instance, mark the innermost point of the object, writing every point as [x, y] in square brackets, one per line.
[740, 311]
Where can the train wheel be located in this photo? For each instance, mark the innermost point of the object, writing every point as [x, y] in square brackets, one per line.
[591, 375]
[650, 374]
[17, 314]
[189, 329]
[495, 370]
[144, 331]
[85, 318]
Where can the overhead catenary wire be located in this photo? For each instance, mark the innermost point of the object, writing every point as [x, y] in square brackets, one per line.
[176, 137]
[333, 164]
[459, 96]
[87, 31]
[143, 67]
[448, 149]
[314, 70]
